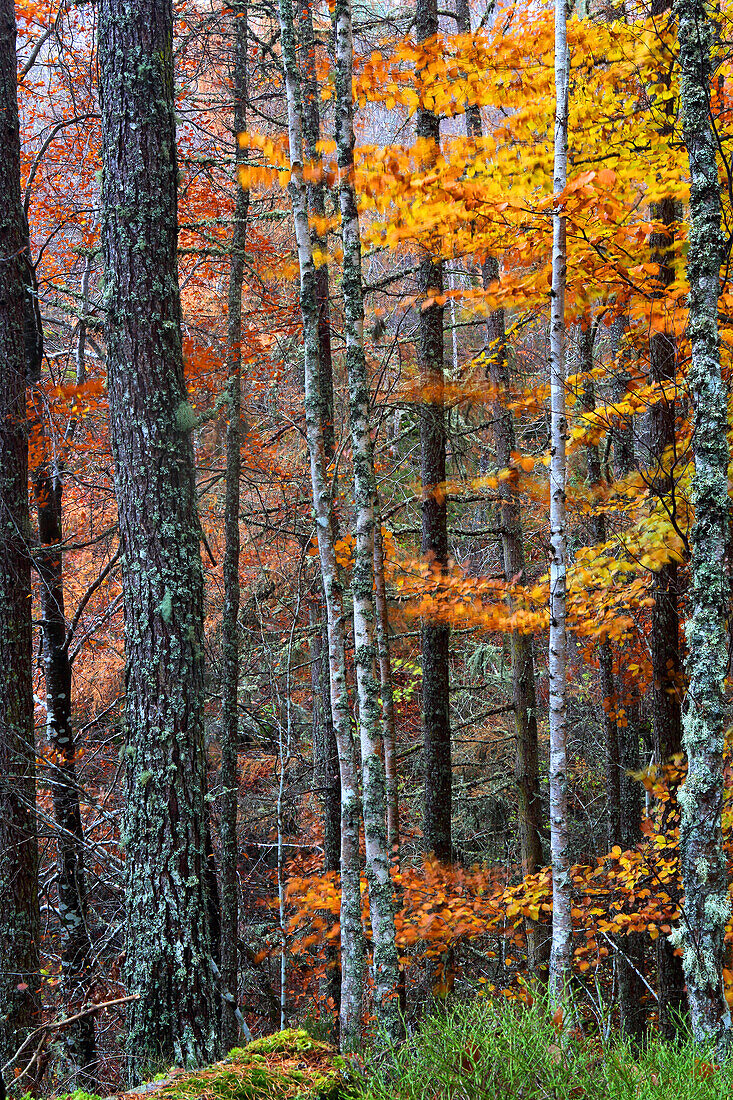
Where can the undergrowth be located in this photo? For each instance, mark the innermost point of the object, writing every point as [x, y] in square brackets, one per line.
[505, 1051]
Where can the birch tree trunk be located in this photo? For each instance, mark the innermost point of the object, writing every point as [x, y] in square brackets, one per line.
[229, 942]
[168, 923]
[325, 746]
[561, 950]
[434, 512]
[19, 913]
[352, 946]
[704, 870]
[381, 889]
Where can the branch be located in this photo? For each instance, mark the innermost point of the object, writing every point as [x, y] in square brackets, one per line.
[59, 1024]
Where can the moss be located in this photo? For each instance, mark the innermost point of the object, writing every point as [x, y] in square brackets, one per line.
[289, 1065]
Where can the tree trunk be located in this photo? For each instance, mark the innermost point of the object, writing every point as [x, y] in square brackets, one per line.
[328, 759]
[352, 947]
[79, 1041]
[381, 906]
[434, 513]
[704, 870]
[230, 637]
[19, 913]
[168, 922]
[562, 929]
[386, 689]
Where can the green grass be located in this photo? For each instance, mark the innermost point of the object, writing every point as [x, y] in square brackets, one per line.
[503, 1051]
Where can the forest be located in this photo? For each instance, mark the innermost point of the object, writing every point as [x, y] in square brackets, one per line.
[366, 546]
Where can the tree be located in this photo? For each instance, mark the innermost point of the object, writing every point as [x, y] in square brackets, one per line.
[19, 912]
[168, 929]
[704, 870]
[562, 928]
[230, 631]
[381, 908]
[435, 639]
[352, 947]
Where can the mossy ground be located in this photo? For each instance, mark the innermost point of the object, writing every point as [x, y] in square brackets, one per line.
[288, 1065]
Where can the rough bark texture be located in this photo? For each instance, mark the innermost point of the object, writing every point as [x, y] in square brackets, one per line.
[230, 639]
[704, 871]
[328, 760]
[381, 906]
[434, 512]
[352, 946]
[168, 925]
[79, 1041]
[561, 951]
[19, 915]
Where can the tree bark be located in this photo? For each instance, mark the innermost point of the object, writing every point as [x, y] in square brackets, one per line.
[434, 513]
[386, 689]
[328, 760]
[19, 913]
[379, 880]
[352, 946]
[76, 950]
[229, 779]
[703, 862]
[168, 921]
[562, 929]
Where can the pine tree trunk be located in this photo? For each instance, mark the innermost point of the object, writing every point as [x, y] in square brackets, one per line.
[230, 628]
[434, 512]
[562, 929]
[381, 889]
[704, 869]
[168, 923]
[352, 946]
[19, 913]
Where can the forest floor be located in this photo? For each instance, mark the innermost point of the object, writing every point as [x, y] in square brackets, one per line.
[482, 1050]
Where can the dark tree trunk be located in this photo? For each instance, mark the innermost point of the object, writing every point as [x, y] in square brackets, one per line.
[667, 715]
[79, 1041]
[704, 866]
[168, 925]
[434, 513]
[230, 639]
[19, 914]
[665, 632]
[328, 761]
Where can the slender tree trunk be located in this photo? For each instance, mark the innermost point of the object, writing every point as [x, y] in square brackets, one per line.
[605, 653]
[562, 929]
[168, 926]
[76, 950]
[629, 958]
[386, 689]
[352, 946]
[381, 906]
[328, 749]
[230, 628]
[434, 512]
[704, 869]
[19, 913]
